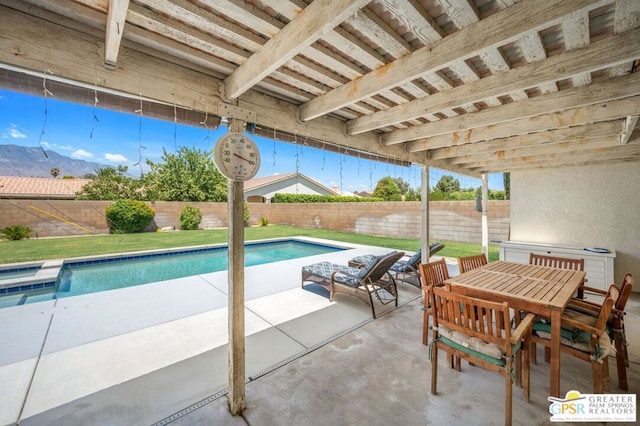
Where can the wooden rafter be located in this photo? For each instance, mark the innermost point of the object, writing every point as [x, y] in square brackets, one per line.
[495, 30]
[318, 19]
[610, 51]
[116, 18]
[567, 118]
[608, 90]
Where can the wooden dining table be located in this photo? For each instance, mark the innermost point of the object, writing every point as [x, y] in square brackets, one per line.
[540, 290]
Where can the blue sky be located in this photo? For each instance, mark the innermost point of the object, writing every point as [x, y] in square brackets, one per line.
[113, 138]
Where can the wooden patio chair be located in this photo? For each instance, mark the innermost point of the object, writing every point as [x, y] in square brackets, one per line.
[584, 337]
[471, 262]
[405, 269]
[433, 274]
[615, 323]
[363, 283]
[478, 331]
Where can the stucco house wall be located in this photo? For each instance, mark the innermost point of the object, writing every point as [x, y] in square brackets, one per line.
[586, 206]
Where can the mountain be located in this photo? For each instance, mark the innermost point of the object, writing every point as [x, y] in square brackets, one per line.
[31, 162]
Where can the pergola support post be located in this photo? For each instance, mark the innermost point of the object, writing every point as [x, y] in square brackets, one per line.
[236, 393]
[424, 213]
[485, 222]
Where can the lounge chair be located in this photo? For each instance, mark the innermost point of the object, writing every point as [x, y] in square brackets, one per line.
[402, 270]
[374, 279]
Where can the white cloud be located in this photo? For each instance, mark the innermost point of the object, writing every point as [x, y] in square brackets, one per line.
[14, 133]
[81, 153]
[115, 158]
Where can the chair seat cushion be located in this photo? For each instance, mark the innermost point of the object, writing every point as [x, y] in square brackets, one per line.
[577, 338]
[473, 343]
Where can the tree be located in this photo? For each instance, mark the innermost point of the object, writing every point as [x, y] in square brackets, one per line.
[54, 172]
[413, 194]
[447, 184]
[506, 178]
[187, 175]
[112, 184]
[387, 189]
[402, 185]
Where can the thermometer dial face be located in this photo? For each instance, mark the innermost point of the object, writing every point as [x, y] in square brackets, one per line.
[237, 157]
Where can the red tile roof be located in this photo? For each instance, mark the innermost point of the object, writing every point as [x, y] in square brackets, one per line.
[31, 187]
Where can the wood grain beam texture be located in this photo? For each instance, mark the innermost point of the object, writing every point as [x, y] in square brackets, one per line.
[115, 28]
[316, 20]
[598, 55]
[590, 131]
[492, 31]
[607, 90]
[572, 117]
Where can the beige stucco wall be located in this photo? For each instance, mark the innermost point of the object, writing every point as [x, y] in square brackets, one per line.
[586, 206]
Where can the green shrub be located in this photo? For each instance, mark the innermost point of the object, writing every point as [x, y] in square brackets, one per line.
[264, 221]
[245, 214]
[16, 232]
[129, 216]
[190, 217]
[315, 198]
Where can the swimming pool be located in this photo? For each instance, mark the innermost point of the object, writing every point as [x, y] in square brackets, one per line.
[110, 273]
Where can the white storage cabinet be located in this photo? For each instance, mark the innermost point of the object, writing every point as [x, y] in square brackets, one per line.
[598, 266]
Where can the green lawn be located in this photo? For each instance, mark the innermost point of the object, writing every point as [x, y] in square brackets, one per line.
[67, 247]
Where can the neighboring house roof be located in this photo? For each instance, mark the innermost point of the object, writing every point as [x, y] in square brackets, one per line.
[269, 180]
[336, 189]
[50, 188]
[32, 187]
[288, 183]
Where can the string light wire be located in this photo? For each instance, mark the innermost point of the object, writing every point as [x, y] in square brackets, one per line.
[46, 110]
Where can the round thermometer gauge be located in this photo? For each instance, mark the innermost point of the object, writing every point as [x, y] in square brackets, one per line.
[237, 157]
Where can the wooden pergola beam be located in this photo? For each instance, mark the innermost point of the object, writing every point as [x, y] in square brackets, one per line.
[569, 148]
[606, 111]
[608, 90]
[629, 126]
[316, 20]
[598, 55]
[590, 131]
[498, 29]
[116, 18]
[558, 159]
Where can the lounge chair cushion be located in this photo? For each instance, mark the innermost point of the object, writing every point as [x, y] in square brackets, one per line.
[326, 269]
[363, 272]
[401, 266]
[364, 259]
[408, 266]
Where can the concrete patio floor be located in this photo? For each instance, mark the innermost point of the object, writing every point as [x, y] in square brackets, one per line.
[157, 354]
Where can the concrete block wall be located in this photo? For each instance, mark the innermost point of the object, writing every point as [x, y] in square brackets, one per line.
[449, 220]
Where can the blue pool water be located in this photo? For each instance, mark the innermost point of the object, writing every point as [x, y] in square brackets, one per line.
[77, 278]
